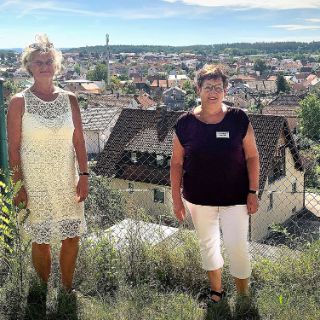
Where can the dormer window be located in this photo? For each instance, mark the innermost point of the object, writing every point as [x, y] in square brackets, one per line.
[159, 160]
[134, 158]
[158, 195]
[278, 169]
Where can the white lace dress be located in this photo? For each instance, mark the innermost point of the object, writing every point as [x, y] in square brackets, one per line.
[49, 170]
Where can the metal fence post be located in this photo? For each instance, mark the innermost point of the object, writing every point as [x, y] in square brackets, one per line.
[3, 134]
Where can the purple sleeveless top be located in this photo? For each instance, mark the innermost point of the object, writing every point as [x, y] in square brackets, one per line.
[215, 171]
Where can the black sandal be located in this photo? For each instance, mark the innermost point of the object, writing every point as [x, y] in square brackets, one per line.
[221, 295]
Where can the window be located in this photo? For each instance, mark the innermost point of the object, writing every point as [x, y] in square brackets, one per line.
[134, 158]
[270, 207]
[158, 196]
[294, 187]
[159, 160]
[278, 168]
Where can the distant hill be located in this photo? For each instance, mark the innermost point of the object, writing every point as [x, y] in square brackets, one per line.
[231, 48]
[10, 50]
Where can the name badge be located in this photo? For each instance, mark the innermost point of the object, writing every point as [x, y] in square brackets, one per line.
[222, 134]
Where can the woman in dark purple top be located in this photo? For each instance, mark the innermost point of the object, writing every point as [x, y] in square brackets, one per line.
[216, 161]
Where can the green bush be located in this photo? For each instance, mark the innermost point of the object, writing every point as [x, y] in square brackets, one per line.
[13, 257]
[98, 268]
[104, 205]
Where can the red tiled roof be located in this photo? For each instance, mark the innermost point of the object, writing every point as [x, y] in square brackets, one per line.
[145, 102]
[162, 83]
[311, 77]
[272, 78]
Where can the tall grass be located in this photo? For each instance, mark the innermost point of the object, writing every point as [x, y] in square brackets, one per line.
[144, 281]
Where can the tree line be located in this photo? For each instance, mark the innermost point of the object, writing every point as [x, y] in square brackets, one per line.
[230, 48]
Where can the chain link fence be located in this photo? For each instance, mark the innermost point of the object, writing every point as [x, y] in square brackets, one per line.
[134, 164]
[134, 240]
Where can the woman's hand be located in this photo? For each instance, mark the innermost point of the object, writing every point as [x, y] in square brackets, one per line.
[179, 209]
[252, 203]
[21, 199]
[82, 188]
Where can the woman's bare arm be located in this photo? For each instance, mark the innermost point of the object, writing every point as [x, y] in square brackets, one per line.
[176, 170]
[80, 148]
[253, 167]
[14, 126]
[14, 122]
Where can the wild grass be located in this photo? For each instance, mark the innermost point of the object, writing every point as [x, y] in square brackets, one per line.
[164, 282]
[154, 282]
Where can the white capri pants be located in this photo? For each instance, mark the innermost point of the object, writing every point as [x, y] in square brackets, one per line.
[234, 224]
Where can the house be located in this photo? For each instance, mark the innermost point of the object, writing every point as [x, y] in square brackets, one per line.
[263, 87]
[82, 85]
[290, 66]
[137, 157]
[285, 105]
[97, 125]
[99, 114]
[145, 102]
[141, 84]
[300, 77]
[174, 98]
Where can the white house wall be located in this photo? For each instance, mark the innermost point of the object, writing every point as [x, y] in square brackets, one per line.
[143, 197]
[92, 141]
[285, 202]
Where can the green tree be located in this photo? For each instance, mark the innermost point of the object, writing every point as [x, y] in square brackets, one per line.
[104, 206]
[191, 96]
[77, 68]
[129, 88]
[309, 117]
[260, 66]
[100, 72]
[282, 84]
[11, 86]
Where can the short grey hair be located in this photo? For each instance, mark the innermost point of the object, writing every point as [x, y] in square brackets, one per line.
[41, 45]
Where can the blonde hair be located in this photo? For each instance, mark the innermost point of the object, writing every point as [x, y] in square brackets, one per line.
[41, 45]
[209, 72]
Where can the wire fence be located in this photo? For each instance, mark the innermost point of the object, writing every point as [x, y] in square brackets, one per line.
[133, 237]
[134, 164]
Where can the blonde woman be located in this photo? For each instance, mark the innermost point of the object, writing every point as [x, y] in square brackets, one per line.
[45, 138]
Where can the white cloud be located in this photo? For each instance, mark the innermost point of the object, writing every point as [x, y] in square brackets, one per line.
[302, 38]
[24, 8]
[312, 20]
[295, 27]
[254, 4]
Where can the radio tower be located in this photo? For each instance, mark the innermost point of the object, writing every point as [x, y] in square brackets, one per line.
[108, 59]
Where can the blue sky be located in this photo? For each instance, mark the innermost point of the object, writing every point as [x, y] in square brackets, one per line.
[164, 22]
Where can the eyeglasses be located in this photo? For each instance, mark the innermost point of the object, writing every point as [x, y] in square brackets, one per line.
[40, 63]
[217, 89]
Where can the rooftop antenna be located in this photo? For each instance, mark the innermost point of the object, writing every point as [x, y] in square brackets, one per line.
[108, 59]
